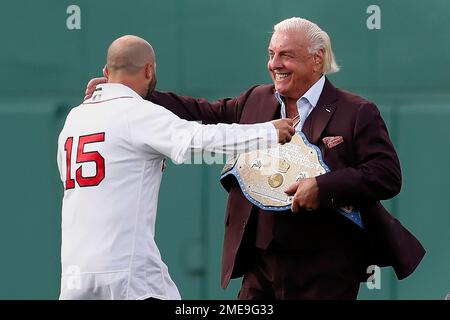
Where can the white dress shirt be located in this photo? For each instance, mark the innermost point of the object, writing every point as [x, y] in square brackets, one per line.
[306, 103]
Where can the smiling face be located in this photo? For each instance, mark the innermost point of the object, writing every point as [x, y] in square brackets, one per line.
[292, 68]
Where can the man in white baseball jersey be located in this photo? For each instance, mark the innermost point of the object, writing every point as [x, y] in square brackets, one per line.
[110, 156]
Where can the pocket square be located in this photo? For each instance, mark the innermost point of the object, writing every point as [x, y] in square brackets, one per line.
[332, 142]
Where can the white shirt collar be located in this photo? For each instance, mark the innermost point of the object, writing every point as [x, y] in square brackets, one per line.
[109, 91]
[315, 91]
[312, 95]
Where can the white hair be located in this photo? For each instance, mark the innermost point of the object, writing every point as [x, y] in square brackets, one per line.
[318, 39]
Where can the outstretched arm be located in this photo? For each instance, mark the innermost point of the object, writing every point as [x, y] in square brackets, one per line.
[189, 108]
[221, 111]
[153, 129]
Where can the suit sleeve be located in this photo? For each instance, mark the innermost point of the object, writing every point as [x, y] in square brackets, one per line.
[226, 110]
[376, 174]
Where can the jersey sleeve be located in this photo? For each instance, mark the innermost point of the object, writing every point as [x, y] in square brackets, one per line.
[156, 130]
[234, 138]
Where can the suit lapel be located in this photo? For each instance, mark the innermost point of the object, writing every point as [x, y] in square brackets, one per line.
[268, 108]
[321, 114]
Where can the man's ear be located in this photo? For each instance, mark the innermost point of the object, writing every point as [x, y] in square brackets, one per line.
[318, 60]
[149, 71]
[105, 72]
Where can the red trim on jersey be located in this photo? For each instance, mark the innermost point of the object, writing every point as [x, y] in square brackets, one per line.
[95, 102]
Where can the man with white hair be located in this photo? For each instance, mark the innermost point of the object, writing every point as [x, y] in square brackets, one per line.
[311, 251]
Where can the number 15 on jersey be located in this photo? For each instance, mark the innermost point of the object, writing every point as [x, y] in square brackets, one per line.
[83, 157]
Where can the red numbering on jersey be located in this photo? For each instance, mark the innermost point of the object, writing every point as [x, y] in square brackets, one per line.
[82, 157]
[70, 183]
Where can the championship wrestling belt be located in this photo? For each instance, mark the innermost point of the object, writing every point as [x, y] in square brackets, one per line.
[264, 174]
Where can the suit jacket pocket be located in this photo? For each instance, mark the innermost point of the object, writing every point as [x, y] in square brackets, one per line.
[337, 157]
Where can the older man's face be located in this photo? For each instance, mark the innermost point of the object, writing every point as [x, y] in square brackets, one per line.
[290, 64]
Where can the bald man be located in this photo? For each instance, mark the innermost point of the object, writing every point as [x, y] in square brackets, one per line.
[110, 157]
[126, 57]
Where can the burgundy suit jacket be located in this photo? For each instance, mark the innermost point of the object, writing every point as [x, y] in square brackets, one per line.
[364, 170]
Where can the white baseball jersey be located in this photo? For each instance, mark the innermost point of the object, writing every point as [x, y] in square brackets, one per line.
[110, 157]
